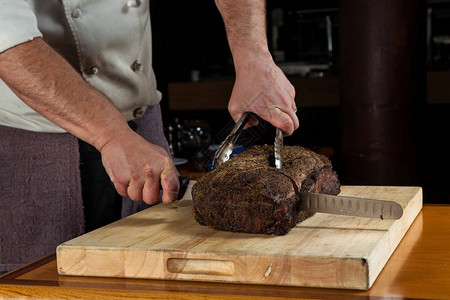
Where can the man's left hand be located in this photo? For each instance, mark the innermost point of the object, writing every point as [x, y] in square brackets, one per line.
[261, 87]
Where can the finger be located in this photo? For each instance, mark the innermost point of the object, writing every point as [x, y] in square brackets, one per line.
[150, 192]
[236, 116]
[285, 88]
[293, 115]
[295, 118]
[135, 190]
[290, 110]
[120, 184]
[279, 113]
[280, 119]
[288, 93]
[252, 121]
[287, 124]
[121, 189]
[282, 98]
[170, 185]
[291, 90]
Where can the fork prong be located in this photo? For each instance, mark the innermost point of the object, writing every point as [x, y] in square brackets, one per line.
[226, 147]
[278, 148]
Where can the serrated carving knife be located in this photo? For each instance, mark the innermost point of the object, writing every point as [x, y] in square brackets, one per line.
[351, 206]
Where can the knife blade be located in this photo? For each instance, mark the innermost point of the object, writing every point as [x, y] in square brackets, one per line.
[278, 148]
[351, 206]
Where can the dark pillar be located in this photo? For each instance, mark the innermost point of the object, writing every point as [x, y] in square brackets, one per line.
[381, 60]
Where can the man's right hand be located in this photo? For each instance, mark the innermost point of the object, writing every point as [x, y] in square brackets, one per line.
[136, 167]
[48, 84]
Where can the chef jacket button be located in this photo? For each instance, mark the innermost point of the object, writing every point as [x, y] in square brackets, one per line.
[137, 66]
[134, 3]
[76, 13]
[92, 70]
[138, 112]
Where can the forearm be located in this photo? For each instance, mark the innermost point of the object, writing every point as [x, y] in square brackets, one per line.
[49, 85]
[245, 24]
[260, 86]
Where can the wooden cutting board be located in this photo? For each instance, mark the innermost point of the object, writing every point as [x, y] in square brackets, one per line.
[165, 242]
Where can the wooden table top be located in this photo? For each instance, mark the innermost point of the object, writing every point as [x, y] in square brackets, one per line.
[418, 269]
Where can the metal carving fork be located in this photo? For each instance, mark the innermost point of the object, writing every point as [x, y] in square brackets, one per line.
[278, 148]
[226, 148]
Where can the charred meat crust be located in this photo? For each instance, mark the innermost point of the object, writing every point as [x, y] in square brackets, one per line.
[247, 194]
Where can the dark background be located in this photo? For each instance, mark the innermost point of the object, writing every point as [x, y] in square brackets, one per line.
[190, 35]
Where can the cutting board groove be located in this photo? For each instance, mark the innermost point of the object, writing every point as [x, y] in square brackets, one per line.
[165, 242]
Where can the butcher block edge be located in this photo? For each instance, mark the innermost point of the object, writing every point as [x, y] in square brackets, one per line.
[185, 250]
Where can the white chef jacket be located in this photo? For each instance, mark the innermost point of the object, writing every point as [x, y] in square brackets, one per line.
[107, 41]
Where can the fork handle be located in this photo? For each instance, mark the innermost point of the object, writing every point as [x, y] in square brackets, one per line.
[240, 124]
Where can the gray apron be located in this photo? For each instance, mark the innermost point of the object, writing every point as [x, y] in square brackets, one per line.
[40, 190]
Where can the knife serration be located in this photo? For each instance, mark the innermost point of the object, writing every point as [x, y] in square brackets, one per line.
[351, 206]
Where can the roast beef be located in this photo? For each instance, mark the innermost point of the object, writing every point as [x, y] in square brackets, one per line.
[248, 194]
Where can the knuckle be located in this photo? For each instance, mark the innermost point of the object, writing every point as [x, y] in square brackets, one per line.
[288, 123]
[149, 172]
[166, 160]
[167, 163]
[134, 175]
[285, 101]
[232, 109]
[121, 180]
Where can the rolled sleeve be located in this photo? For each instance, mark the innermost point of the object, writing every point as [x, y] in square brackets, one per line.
[18, 24]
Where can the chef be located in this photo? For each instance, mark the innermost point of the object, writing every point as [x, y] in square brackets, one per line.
[80, 123]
